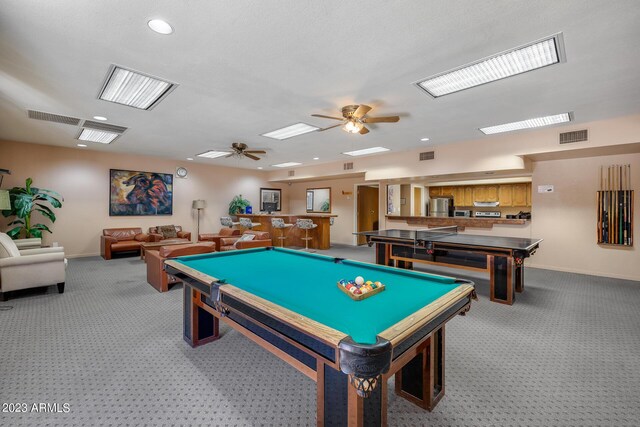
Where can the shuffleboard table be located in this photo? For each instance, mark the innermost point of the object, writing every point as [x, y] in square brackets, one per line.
[289, 303]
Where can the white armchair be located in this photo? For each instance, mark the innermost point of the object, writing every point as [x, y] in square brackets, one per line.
[31, 243]
[29, 268]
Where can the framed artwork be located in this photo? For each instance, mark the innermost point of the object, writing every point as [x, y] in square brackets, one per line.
[271, 197]
[309, 200]
[140, 193]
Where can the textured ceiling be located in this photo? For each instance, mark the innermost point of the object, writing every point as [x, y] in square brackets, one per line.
[248, 67]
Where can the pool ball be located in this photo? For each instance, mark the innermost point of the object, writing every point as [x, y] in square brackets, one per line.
[359, 280]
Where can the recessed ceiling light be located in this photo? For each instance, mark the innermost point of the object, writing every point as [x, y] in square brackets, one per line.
[530, 123]
[424, 139]
[286, 165]
[214, 154]
[95, 135]
[259, 167]
[366, 151]
[316, 158]
[101, 118]
[134, 89]
[160, 26]
[189, 158]
[534, 55]
[290, 131]
[82, 145]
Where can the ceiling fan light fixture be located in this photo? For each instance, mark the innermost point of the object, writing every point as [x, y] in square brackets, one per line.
[353, 126]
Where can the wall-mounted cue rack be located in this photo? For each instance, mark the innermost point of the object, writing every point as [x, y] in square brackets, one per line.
[615, 206]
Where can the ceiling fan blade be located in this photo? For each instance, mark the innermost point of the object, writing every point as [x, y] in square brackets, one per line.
[330, 127]
[251, 156]
[256, 151]
[364, 131]
[327, 117]
[361, 111]
[388, 119]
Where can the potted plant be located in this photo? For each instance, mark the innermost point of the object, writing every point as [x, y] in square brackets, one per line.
[24, 201]
[237, 205]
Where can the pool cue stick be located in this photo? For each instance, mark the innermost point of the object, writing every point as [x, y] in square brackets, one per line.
[609, 204]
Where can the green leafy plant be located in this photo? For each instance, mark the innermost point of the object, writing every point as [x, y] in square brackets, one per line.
[26, 200]
[237, 205]
[325, 206]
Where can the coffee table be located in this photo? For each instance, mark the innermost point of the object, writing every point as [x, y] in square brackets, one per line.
[145, 246]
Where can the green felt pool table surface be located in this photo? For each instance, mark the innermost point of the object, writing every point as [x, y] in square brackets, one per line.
[306, 284]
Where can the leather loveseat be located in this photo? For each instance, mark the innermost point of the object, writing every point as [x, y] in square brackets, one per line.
[260, 239]
[215, 238]
[121, 240]
[156, 276]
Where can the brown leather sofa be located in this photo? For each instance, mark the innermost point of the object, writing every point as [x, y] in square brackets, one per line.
[215, 238]
[261, 239]
[156, 237]
[121, 240]
[156, 276]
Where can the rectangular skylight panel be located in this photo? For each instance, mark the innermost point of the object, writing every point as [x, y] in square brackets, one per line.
[134, 89]
[214, 154]
[287, 165]
[100, 136]
[291, 131]
[366, 151]
[506, 64]
[527, 124]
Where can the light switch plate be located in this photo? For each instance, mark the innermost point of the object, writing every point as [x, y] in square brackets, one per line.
[545, 188]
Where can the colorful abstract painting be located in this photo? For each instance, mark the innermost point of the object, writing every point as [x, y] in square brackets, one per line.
[140, 193]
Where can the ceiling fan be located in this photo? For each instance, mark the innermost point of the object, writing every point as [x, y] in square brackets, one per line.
[353, 119]
[240, 150]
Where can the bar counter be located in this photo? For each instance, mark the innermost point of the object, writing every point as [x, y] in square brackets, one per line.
[321, 234]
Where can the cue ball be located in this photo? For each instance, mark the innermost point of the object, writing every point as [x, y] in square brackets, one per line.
[359, 280]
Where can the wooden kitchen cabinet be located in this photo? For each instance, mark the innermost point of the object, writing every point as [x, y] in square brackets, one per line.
[468, 196]
[505, 195]
[485, 193]
[435, 191]
[520, 197]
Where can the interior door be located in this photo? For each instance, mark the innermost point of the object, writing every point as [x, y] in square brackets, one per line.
[417, 201]
[367, 211]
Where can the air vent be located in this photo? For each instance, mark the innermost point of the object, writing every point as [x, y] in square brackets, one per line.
[348, 166]
[292, 173]
[56, 118]
[427, 155]
[103, 126]
[574, 136]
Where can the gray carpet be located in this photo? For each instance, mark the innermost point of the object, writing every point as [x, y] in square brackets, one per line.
[566, 354]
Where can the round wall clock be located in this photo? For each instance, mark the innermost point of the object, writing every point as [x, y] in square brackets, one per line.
[181, 172]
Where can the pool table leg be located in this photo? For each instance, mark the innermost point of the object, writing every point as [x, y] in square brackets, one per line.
[200, 326]
[421, 380]
[503, 279]
[383, 254]
[339, 404]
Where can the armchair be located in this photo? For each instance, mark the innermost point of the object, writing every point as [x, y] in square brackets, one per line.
[121, 240]
[31, 243]
[156, 276]
[30, 268]
[215, 238]
[157, 236]
[261, 239]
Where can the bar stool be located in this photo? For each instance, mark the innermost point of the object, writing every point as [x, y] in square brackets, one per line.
[248, 224]
[226, 221]
[279, 224]
[306, 225]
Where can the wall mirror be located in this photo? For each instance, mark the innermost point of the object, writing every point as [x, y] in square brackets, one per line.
[319, 200]
[270, 199]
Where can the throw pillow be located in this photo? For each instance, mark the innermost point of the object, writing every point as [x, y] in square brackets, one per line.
[244, 238]
[167, 231]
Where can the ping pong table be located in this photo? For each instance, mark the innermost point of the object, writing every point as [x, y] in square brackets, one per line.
[502, 257]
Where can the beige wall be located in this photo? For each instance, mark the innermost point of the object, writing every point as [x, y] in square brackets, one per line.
[82, 177]
[342, 205]
[566, 218]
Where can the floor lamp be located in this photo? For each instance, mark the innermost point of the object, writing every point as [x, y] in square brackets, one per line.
[199, 205]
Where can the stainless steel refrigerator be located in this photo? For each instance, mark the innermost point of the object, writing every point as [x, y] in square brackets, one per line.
[441, 206]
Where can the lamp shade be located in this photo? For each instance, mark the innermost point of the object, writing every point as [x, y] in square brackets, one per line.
[5, 202]
[199, 204]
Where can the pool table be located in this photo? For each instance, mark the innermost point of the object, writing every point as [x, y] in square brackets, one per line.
[288, 302]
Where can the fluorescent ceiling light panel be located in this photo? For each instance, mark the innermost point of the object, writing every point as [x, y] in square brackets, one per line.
[95, 135]
[214, 154]
[286, 165]
[160, 26]
[134, 89]
[530, 123]
[291, 131]
[366, 151]
[538, 54]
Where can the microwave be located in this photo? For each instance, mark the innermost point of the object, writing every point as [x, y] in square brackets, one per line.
[460, 212]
